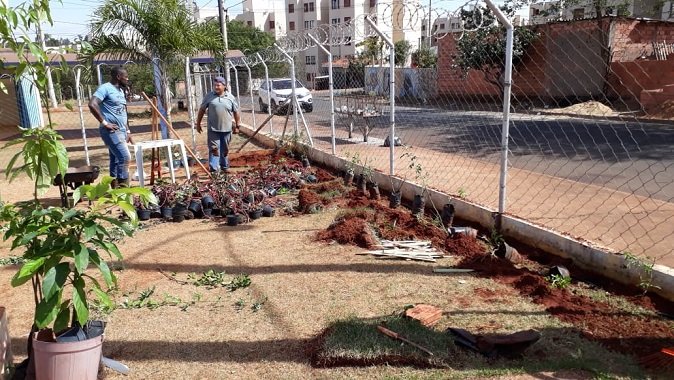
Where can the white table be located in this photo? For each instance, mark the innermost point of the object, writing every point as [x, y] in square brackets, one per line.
[168, 144]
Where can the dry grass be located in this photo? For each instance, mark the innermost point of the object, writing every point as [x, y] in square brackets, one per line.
[299, 288]
[305, 287]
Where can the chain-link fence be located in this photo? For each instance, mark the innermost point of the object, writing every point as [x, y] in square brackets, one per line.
[590, 137]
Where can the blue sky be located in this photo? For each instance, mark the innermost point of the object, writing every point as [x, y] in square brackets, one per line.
[71, 16]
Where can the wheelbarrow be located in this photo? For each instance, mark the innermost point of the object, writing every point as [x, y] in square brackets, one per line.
[74, 178]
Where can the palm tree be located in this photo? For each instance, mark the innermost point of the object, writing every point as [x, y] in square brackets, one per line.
[158, 31]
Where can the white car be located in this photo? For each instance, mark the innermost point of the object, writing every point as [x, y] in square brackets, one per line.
[279, 92]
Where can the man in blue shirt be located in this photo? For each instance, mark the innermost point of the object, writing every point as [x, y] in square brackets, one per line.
[222, 109]
[108, 105]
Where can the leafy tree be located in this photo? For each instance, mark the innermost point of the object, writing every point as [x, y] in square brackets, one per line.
[159, 31]
[373, 49]
[424, 57]
[483, 49]
[402, 51]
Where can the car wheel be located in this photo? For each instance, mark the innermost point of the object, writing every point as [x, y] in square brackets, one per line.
[274, 107]
[308, 109]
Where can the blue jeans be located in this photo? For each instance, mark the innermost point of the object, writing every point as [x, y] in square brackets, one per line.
[218, 149]
[118, 150]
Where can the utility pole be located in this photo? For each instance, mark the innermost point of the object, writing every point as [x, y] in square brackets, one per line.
[223, 29]
[50, 83]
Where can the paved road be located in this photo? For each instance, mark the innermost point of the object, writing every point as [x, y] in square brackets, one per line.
[627, 156]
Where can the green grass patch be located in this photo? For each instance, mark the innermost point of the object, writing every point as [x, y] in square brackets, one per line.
[357, 342]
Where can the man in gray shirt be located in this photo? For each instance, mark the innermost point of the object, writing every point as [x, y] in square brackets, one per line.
[222, 108]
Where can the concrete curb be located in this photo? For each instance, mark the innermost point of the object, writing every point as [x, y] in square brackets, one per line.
[611, 265]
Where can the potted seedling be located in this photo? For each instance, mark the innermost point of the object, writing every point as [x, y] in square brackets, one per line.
[350, 169]
[420, 177]
[142, 210]
[255, 207]
[180, 205]
[371, 184]
[61, 247]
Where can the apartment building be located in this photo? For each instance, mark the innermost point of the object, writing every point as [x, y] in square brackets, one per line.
[541, 13]
[269, 16]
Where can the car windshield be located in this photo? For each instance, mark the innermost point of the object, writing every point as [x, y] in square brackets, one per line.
[286, 84]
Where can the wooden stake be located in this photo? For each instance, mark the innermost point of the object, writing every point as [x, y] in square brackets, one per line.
[208, 173]
[155, 154]
[255, 133]
[395, 335]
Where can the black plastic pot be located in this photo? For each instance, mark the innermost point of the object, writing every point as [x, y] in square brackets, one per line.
[361, 184]
[348, 178]
[447, 215]
[166, 212]
[250, 198]
[233, 220]
[195, 207]
[214, 212]
[208, 212]
[305, 162]
[179, 212]
[189, 215]
[255, 214]
[312, 178]
[394, 199]
[207, 202]
[373, 187]
[179, 209]
[143, 214]
[418, 204]
[268, 211]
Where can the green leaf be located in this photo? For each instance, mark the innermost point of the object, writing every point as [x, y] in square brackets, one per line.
[63, 318]
[90, 229]
[129, 210]
[82, 259]
[54, 280]
[108, 276]
[27, 271]
[103, 297]
[46, 311]
[112, 248]
[80, 301]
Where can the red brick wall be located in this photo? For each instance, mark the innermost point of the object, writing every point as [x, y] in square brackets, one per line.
[628, 79]
[567, 61]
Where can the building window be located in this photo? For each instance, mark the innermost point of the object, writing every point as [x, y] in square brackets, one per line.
[347, 3]
[249, 23]
[291, 8]
[442, 26]
[272, 24]
[373, 3]
[308, 7]
[335, 21]
[423, 27]
[310, 59]
[291, 25]
[578, 13]
[348, 38]
[536, 11]
[311, 7]
[335, 4]
[309, 24]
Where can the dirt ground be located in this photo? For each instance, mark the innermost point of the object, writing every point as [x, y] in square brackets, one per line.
[298, 287]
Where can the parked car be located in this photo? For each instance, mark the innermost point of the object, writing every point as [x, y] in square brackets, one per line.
[279, 91]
